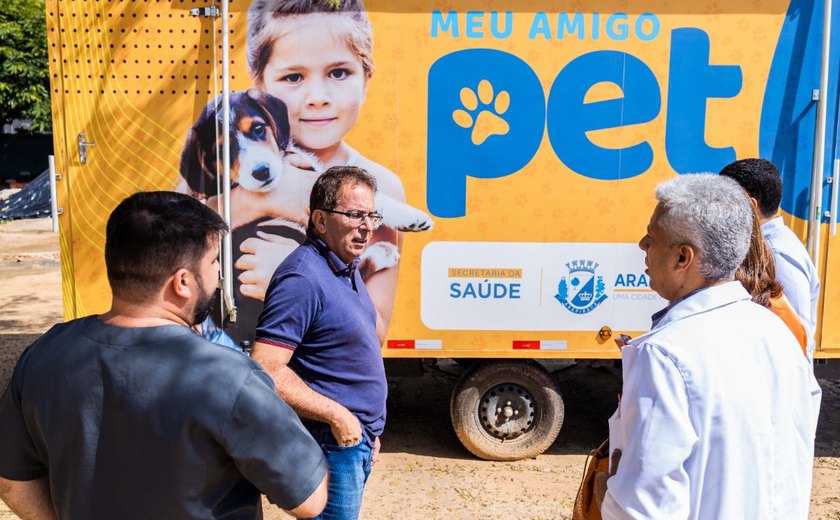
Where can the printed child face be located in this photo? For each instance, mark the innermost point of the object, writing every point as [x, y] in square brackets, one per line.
[315, 72]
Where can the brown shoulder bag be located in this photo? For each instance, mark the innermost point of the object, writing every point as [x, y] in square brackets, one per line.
[597, 462]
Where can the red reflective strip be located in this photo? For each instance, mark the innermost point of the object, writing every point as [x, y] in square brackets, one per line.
[400, 343]
[526, 345]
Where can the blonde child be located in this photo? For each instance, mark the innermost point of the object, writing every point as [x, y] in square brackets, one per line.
[316, 58]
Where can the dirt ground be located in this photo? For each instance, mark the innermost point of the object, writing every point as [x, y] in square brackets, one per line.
[424, 472]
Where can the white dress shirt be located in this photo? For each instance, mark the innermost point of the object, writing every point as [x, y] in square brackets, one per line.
[797, 274]
[717, 416]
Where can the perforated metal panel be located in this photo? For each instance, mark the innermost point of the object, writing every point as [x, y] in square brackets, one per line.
[132, 75]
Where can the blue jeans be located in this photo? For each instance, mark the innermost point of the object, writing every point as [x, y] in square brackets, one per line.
[349, 470]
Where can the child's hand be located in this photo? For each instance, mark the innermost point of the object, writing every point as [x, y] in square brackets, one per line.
[378, 256]
[261, 256]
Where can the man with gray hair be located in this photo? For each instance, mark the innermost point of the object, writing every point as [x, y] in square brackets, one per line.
[719, 407]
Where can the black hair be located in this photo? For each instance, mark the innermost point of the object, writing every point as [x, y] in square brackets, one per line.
[761, 180]
[150, 235]
[327, 188]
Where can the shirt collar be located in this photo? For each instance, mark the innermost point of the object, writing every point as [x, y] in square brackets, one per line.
[336, 264]
[772, 225]
[658, 315]
[701, 300]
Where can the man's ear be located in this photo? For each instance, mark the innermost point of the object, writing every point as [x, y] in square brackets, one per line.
[179, 283]
[319, 218]
[686, 257]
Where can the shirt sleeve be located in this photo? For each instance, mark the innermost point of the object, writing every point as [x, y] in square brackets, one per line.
[19, 456]
[797, 288]
[270, 446]
[291, 304]
[658, 438]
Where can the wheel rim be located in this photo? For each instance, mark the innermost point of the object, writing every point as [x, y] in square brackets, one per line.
[506, 411]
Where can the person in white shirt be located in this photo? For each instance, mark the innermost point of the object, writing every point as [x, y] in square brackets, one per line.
[719, 407]
[794, 269]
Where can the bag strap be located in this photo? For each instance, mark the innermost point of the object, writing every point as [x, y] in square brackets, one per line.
[603, 450]
[600, 452]
[585, 465]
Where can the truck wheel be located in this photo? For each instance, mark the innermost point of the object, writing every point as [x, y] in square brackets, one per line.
[506, 410]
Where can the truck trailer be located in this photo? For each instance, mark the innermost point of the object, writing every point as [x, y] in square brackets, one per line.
[518, 145]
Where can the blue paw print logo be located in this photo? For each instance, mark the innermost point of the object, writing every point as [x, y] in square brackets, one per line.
[486, 119]
[482, 112]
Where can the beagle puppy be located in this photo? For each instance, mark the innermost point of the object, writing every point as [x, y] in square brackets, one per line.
[259, 140]
[260, 149]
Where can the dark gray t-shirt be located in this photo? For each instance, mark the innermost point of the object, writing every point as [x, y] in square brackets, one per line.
[151, 423]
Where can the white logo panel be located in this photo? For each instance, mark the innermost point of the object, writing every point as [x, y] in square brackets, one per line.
[535, 286]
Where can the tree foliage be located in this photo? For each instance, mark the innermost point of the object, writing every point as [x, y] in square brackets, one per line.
[24, 67]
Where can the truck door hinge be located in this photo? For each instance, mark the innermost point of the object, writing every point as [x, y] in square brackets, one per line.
[210, 11]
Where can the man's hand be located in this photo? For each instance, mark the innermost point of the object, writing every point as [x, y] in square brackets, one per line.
[346, 428]
[307, 403]
[602, 478]
[376, 446]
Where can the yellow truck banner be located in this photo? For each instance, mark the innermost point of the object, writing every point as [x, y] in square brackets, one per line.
[516, 144]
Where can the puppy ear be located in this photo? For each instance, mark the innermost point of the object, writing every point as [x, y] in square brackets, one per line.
[201, 141]
[277, 113]
[191, 163]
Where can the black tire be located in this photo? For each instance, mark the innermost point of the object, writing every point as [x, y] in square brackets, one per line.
[506, 410]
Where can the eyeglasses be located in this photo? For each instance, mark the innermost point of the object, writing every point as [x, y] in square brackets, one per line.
[357, 216]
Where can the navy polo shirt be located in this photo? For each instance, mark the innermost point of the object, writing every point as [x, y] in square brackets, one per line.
[318, 307]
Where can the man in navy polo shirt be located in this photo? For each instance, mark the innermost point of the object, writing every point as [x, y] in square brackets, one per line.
[317, 335]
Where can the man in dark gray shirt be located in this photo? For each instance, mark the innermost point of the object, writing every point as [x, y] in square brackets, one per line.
[130, 414]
